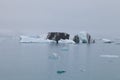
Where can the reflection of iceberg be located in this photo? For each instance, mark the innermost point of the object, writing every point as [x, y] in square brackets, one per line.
[54, 56]
[40, 39]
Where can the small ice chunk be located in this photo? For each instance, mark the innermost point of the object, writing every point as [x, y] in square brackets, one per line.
[109, 56]
[61, 71]
[107, 41]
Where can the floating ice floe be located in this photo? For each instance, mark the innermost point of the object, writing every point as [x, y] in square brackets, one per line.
[109, 56]
[32, 39]
[29, 39]
[107, 41]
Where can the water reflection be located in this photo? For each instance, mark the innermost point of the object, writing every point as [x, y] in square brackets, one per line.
[74, 61]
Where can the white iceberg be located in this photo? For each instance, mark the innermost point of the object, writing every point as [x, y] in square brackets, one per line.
[41, 39]
[83, 37]
[31, 39]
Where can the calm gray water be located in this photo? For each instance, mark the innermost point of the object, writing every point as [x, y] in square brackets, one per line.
[41, 61]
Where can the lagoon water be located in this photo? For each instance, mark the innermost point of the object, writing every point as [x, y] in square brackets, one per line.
[42, 61]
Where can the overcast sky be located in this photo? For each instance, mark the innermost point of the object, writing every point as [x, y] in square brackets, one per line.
[72, 16]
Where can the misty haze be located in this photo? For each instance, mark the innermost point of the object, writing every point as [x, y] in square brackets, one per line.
[59, 40]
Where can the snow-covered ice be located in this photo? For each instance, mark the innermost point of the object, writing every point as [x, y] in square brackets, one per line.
[32, 39]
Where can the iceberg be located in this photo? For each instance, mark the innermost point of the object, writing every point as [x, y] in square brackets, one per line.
[41, 39]
[56, 36]
[83, 37]
[31, 39]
